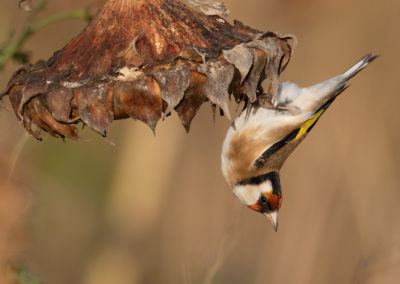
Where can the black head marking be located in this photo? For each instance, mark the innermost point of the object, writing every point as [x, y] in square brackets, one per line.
[272, 176]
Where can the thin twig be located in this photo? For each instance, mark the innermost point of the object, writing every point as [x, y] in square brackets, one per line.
[13, 47]
[15, 153]
[226, 245]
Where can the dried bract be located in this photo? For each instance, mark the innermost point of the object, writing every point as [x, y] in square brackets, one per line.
[143, 59]
[210, 7]
[25, 5]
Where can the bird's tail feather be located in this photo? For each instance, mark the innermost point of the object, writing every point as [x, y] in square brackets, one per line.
[360, 65]
[320, 93]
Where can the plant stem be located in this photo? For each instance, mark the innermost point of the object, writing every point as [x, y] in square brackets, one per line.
[12, 48]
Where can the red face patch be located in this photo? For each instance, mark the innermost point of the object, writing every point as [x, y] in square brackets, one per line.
[274, 202]
[256, 207]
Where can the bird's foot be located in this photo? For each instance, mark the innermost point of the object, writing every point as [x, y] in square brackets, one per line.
[293, 110]
[266, 100]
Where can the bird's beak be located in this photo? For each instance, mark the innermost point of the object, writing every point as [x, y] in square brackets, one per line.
[273, 218]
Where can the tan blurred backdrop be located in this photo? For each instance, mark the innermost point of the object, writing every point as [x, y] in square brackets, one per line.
[157, 210]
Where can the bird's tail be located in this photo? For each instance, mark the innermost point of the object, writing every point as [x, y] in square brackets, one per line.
[317, 95]
[360, 65]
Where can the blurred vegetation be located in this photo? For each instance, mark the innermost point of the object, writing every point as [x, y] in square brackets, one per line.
[23, 276]
[12, 47]
[157, 210]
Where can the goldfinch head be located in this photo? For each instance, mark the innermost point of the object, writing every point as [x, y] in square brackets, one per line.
[262, 194]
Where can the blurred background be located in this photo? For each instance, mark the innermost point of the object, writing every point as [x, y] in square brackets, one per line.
[157, 210]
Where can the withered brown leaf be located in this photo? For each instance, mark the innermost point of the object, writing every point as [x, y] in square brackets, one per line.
[155, 56]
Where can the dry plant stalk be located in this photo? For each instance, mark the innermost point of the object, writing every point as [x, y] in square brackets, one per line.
[13, 203]
[142, 59]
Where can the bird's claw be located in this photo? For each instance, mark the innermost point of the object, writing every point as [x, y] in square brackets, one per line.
[293, 110]
[265, 100]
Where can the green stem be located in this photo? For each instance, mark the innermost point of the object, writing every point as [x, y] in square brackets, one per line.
[10, 50]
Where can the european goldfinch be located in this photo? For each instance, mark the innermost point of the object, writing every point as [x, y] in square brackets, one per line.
[260, 139]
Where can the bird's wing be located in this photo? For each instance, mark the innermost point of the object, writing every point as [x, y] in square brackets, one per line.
[269, 158]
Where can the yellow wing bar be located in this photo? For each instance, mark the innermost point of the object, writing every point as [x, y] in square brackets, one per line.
[309, 123]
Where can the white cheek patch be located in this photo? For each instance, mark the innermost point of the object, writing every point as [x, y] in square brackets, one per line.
[266, 186]
[250, 194]
[247, 194]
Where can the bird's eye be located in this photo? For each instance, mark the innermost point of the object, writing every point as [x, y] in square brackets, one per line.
[265, 207]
